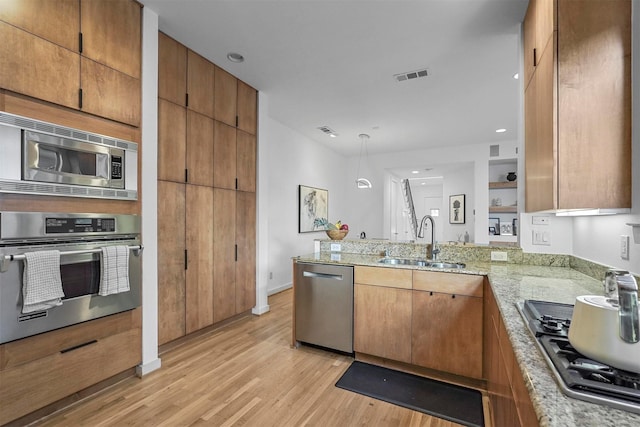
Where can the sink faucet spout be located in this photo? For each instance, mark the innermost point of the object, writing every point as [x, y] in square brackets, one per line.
[434, 249]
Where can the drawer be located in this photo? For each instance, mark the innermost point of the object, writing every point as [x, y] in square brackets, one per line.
[379, 276]
[30, 386]
[448, 283]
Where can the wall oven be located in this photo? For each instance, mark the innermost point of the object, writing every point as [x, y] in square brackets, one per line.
[79, 238]
[42, 158]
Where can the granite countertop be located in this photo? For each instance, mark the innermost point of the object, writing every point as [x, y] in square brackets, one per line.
[511, 284]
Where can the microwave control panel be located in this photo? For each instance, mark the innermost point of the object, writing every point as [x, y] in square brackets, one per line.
[116, 167]
[79, 225]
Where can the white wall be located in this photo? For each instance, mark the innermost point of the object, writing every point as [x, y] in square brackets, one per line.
[292, 159]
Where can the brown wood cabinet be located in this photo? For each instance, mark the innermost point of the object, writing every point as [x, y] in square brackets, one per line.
[538, 28]
[112, 34]
[568, 137]
[171, 261]
[429, 319]
[508, 395]
[55, 79]
[40, 370]
[215, 162]
[88, 54]
[199, 273]
[447, 322]
[382, 321]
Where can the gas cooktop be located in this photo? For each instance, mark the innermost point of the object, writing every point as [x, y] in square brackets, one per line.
[578, 376]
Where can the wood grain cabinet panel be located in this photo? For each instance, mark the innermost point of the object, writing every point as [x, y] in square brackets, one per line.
[172, 70]
[56, 21]
[246, 241]
[447, 333]
[382, 321]
[112, 35]
[226, 99]
[224, 253]
[587, 58]
[247, 108]
[199, 274]
[109, 93]
[172, 141]
[224, 156]
[246, 161]
[60, 374]
[380, 276]
[200, 86]
[55, 78]
[199, 149]
[171, 261]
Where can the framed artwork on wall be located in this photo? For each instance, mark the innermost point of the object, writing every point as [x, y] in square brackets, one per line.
[456, 209]
[494, 226]
[313, 203]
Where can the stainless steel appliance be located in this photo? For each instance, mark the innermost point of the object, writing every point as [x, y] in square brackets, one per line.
[80, 239]
[324, 305]
[43, 158]
[578, 376]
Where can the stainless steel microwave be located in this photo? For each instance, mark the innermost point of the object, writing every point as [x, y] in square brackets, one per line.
[42, 158]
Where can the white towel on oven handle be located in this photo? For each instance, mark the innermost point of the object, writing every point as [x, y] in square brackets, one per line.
[114, 275]
[41, 281]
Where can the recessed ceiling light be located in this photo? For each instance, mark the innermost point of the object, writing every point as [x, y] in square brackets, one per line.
[415, 171]
[500, 130]
[235, 57]
[516, 76]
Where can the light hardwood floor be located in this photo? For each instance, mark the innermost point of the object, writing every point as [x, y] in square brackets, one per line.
[245, 374]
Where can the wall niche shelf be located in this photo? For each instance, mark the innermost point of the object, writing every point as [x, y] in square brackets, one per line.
[503, 209]
[503, 184]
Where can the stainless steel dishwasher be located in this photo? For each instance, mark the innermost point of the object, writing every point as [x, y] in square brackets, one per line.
[324, 305]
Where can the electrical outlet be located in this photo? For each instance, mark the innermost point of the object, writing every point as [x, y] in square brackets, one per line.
[336, 247]
[499, 256]
[540, 220]
[624, 247]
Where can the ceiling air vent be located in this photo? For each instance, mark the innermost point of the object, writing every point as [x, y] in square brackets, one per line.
[328, 131]
[494, 150]
[411, 75]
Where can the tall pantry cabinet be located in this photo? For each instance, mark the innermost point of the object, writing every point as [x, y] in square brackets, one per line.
[206, 192]
[577, 57]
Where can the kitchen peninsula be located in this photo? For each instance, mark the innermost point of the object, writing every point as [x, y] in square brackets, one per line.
[557, 278]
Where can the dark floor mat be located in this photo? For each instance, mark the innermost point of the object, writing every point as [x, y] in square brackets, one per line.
[451, 402]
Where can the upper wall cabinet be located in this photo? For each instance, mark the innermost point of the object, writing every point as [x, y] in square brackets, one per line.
[56, 21]
[578, 110]
[86, 53]
[111, 34]
[172, 70]
[539, 25]
[235, 102]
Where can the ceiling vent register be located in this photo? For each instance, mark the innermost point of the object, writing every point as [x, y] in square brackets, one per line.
[328, 131]
[410, 75]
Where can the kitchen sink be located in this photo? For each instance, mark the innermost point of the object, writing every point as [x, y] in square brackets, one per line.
[421, 263]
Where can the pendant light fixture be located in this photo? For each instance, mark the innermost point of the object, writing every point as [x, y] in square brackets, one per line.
[360, 181]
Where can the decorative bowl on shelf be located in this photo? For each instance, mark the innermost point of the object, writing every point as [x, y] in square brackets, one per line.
[337, 234]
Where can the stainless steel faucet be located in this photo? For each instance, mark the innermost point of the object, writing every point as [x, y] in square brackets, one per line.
[434, 249]
[628, 308]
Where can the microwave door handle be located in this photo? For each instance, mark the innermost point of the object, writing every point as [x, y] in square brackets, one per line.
[5, 260]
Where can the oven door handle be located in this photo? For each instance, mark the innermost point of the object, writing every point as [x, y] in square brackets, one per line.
[4, 261]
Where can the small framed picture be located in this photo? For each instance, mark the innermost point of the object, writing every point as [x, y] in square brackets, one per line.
[506, 229]
[456, 209]
[495, 224]
[492, 231]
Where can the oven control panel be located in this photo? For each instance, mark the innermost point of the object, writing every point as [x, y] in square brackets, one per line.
[79, 225]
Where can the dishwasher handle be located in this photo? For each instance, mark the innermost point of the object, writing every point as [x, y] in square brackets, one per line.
[322, 275]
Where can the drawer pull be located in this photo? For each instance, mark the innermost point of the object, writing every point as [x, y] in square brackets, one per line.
[75, 347]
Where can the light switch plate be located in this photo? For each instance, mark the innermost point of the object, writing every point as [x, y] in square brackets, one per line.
[499, 256]
[624, 247]
[336, 247]
[540, 220]
[541, 237]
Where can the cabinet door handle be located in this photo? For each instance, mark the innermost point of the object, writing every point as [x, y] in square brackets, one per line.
[453, 296]
[80, 42]
[186, 259]
[535, 58]
[75, 347]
